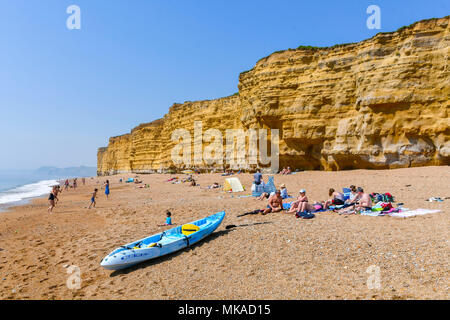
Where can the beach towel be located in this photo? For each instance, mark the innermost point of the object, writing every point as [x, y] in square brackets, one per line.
[287, 206]
[412, 213]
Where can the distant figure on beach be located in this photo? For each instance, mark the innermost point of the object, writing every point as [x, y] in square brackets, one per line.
[94, 195]
[257, 177]
[286, 170]
[51, 200]
[83, 180]
[107, 189]
[66, 184]
[275, 203]
[74, 183]
[56, 191]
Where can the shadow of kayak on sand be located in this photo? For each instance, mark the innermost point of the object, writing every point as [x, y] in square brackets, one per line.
[173, 255]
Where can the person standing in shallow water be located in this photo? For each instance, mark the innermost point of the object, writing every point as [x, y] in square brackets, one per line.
[107, 189]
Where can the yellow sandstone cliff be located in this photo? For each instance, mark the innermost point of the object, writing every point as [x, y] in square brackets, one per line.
[379, 103]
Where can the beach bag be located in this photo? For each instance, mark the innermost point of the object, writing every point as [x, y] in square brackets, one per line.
[305, 215]
[387, 197]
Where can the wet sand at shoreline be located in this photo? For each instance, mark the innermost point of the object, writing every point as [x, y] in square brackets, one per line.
[284, 258]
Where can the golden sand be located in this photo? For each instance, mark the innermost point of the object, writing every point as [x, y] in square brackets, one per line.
[284, 258]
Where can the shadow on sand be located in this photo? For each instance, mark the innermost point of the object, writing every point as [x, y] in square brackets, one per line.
[159, 260]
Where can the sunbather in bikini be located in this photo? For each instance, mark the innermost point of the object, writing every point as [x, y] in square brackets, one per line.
[337, 198]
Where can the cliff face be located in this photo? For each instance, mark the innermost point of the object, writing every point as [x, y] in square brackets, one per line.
[380, 103]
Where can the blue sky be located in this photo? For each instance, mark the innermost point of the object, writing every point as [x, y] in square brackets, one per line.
[64, 92]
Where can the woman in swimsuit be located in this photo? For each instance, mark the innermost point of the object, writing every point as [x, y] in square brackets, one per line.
[107, 189]
[337, 198]
[51, 200]
[302, 198]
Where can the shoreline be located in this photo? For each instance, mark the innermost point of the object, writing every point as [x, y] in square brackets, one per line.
[284, 258]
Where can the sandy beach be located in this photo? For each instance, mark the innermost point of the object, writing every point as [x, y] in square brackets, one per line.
[284, 258]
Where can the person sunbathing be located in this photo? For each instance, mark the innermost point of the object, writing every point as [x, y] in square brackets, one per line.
[296, 204]
[288, 170]
[353, 196]
[365, 202]
[284, 192]
[307, 207]
[283, 171]
[337, 198]
[275, 203]
[215, 185]
[361, 202]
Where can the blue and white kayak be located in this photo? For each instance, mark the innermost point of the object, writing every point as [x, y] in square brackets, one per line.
[162, 243]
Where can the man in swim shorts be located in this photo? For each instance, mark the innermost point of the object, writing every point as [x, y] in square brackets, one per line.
[365, 202]
[275, 203]
[94, 195]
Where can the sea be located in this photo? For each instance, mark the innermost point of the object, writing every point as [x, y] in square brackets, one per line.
[17, 187]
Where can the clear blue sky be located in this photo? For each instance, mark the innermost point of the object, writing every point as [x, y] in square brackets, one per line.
[63, 92]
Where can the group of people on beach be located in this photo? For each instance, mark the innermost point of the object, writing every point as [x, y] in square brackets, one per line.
[94, 195]
[56, 190]
[357, 200]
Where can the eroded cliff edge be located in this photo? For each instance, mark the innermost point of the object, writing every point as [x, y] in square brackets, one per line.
[379, 103]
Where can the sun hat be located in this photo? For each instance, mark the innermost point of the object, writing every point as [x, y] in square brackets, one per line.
[282, 185]
[302, 191]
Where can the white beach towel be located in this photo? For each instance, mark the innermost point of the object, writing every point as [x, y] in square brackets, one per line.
[412, 213]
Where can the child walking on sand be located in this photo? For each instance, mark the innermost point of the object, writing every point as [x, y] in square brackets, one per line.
[94, 195]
